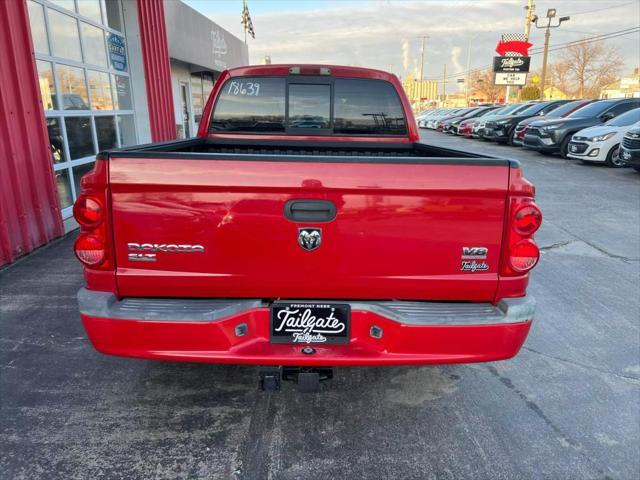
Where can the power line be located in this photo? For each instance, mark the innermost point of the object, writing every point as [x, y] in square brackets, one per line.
[601, 36]
[601, 9]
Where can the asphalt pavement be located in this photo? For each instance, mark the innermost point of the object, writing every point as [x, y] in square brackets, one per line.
[567, 407]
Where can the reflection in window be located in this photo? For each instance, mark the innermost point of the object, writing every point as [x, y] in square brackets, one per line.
[91, 9]
[73, 88]
[127, 130]
[64, 188]
[46, 84]
[64, 36]
[68, 4]
[367, 107]
[250, 104]
[106, 132]
[100, 90]
[309, 106]
[112, 12]
[38, 29]
[79, 172]
[56, 140]
[79, 137]
[196, 96]
[122, 97]
[94, 45]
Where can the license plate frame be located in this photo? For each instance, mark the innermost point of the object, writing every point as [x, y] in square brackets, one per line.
[325, 323]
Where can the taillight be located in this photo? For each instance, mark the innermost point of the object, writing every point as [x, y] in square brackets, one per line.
[523, 218]
[524, 255]
[93, 245]
[88, 211]
[90, 249]
[527, 219]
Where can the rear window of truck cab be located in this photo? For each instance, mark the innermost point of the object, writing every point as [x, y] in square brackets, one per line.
[308, 106]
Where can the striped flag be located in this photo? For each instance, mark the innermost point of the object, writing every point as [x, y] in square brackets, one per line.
[246, 21]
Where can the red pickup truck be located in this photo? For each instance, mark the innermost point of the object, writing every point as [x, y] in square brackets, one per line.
[305, 227]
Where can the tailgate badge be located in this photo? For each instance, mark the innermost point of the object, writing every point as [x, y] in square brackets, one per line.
[309, 238]
[473, 259]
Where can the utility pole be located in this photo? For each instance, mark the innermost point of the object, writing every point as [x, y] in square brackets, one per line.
[422, 38]
[466, 81]
[551, 14]
[531, 11]
[444, 86]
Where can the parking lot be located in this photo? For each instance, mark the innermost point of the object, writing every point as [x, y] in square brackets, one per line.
[565, 408]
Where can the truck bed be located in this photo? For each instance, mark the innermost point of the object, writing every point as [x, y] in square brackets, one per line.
[307, 151]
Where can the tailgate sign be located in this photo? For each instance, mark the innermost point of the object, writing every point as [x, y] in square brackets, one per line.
[310, 322]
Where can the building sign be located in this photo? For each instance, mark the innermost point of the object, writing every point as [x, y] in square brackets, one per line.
[117, 52]
[511, 64]
[220, 50]
[195, 39]
[510, 78]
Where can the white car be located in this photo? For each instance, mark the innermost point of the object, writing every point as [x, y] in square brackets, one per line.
[424, 116]
[602, 142]
[432, 121]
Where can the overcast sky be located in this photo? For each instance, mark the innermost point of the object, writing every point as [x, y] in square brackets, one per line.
[383, 34]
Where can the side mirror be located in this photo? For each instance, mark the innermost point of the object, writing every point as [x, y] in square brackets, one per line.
[607, 116]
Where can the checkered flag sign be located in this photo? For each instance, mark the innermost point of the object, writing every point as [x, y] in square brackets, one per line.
[513, 37]
[246, 21]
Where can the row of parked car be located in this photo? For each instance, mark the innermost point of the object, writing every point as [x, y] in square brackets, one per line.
[606, 131]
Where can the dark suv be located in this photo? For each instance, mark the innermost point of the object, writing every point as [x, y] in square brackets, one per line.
[502, 129]
[551, 136]
[630, 148]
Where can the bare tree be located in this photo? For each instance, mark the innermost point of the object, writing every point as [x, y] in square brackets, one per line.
[481, 82]
[560, 77]
[589, 67]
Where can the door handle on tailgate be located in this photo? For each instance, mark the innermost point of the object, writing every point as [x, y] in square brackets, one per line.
[310, 210]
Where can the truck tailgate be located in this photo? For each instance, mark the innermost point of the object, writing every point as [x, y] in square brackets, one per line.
[399, 230]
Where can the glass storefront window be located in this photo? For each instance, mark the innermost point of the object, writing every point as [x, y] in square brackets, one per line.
[56, 140]
[90, 9]
[68, 4]
[79, 172]
[112, 12]
[122, 98]
[38, 30]
[64, 188]
[94, 45]
[73, 88]
[100, 90]
[47, 85]
[106, 132]
[127, 129]
[79, 137]
[64, 36]
[83, 77]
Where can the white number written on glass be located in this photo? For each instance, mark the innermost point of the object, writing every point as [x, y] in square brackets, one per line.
[244, 88]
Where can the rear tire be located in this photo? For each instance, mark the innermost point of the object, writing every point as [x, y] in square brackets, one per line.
[511, 135]
[564, 146]
[613, 158]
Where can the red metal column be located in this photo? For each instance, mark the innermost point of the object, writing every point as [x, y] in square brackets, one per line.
[29, 211]
[157, 69]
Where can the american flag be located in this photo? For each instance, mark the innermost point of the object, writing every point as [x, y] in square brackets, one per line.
[513, 37]
[246, 21]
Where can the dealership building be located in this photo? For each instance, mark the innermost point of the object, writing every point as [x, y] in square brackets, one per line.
[81, 76]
